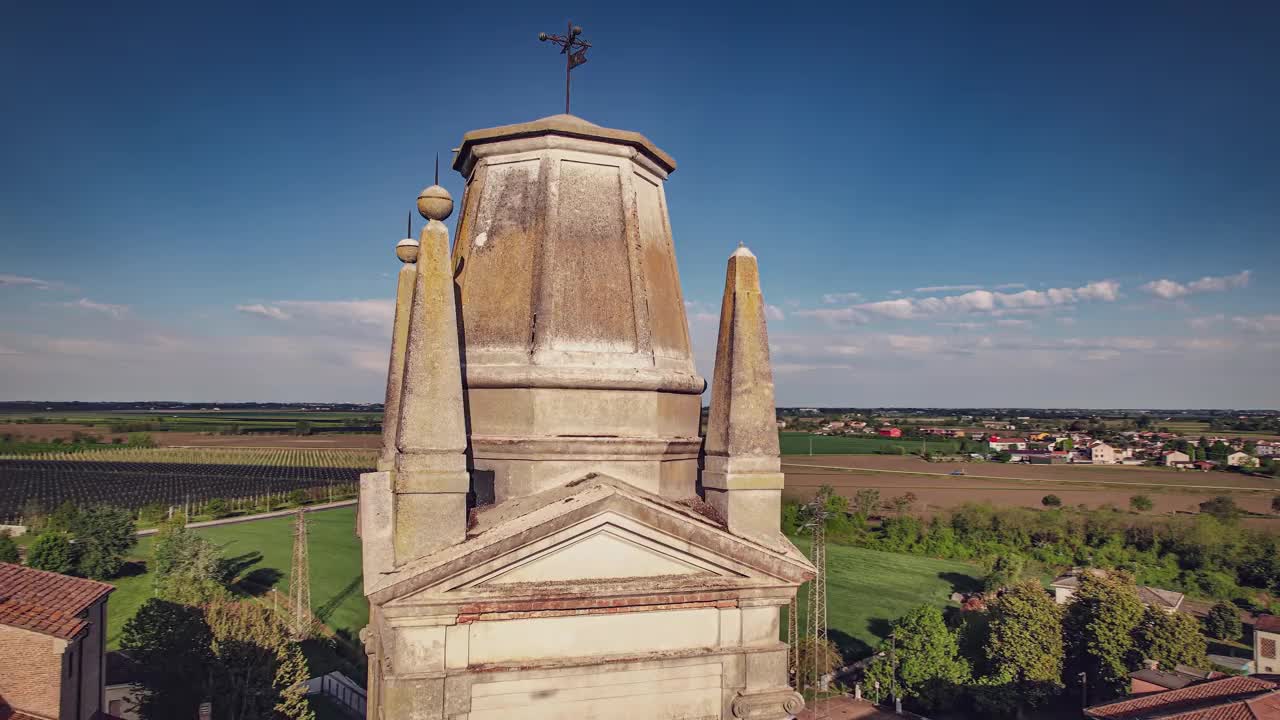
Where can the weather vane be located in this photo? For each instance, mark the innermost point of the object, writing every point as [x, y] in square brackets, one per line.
[574, 50]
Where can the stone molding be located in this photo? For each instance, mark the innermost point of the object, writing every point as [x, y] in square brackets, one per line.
[771, 705]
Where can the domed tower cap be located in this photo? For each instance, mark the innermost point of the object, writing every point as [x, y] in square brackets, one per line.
[570, 126]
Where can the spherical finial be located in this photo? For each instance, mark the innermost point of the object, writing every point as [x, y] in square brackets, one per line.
[435, 203]
[407, 250]
[542, 37]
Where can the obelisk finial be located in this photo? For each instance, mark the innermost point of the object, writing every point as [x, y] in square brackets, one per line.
[575, 51]
[742, 475]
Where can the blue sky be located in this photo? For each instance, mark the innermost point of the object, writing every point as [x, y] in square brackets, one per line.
[952, 203]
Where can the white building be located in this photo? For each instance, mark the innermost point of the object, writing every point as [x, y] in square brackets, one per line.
[1241, 459]
[1101, 453]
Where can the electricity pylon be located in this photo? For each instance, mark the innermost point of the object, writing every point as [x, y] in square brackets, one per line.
[816, 515]
[300, 581]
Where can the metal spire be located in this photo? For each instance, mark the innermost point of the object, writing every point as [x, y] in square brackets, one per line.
[574, 50]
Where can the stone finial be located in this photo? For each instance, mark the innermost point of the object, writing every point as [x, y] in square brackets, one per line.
[407, 250]
[742, 474]
[430, 480]
[435, 203]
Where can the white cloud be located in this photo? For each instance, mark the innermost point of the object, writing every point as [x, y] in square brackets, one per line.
[374, 314]
[947, 288]
[106, 308]
[1207, 322]
[1170, 289]
[844, 297]
[773, 312]
[913, 343]
[20, 280]
[979, 301]
[266, 311]
[1009, 286]
[835, 316]
[1258, 324]
[961, 325]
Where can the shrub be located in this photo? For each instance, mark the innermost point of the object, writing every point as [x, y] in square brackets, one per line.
[52, 551]
[1051, 501]
[1141, 503]
[217, 508]
[8, 548]
[1223, 622]
[297, 497]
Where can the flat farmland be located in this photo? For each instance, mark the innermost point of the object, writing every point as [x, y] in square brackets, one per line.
[1000, 484]
[170, 438]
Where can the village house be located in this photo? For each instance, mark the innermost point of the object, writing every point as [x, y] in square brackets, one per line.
[1267, 449]
[1241, 459]
[891, 432]
[1266, 639]
[55, 624]
[1101, 453]
[1174, 457]
[1066, 585]
[998, 443]
[1245, 698]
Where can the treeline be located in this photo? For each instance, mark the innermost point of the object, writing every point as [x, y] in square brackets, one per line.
[1024, 651]
[1209, 555]
[89, 542]
[15, 444]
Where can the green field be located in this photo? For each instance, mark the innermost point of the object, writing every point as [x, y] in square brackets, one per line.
[869, 589]
[208, 421]
[263, 550]
[798, 443]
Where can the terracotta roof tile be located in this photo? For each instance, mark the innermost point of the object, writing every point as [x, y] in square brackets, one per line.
[1268, 623]
[46, 602]
[1214, 700]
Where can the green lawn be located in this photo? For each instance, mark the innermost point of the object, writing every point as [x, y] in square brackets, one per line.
[797, 443]
[868, 589]
[263, 550]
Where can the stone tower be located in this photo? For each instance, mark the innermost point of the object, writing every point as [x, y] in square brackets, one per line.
[535, 544]
[577, 343]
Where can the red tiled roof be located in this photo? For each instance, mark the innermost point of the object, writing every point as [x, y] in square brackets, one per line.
[1226, 699]
[1268, 623]
[46, 602]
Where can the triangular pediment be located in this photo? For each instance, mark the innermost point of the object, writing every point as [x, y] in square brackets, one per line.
[605, 552]
[603, 533]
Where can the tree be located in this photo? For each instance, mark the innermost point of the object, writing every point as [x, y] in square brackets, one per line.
[903, 502]
[1066, 444]
[927, 658]
[1218, 452]
[1275, 504]
[302, 427]
[259, 670]
[814, 658]
[1141, 503]
[64, 517]
[52, 551]
[103, 535]
[1024, 647]
[170, 643]
[1003, 571]
[1221, 507]
[1051, 501]
[216, 508]
[187, 569]
[1171, 639]
[1101, 625]
[1223, 622]
[865, 501]
[8, 548]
